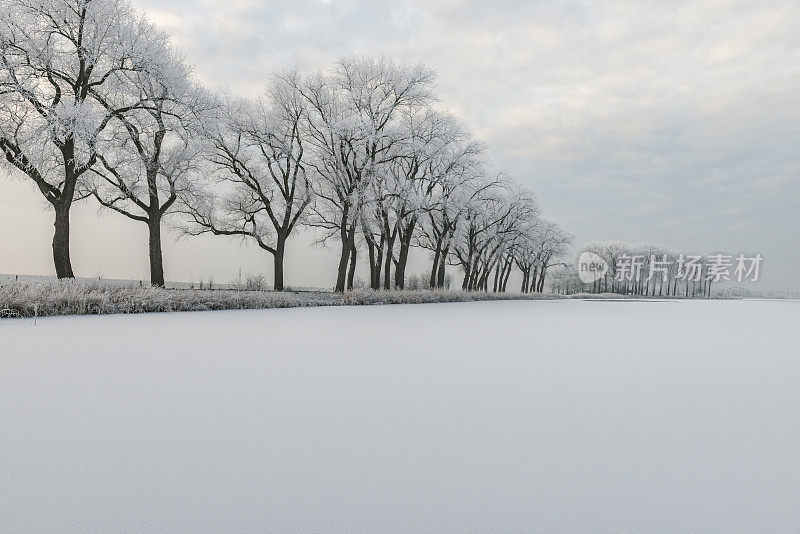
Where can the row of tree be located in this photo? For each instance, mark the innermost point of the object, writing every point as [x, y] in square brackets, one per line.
[94, 102]
[638, 269]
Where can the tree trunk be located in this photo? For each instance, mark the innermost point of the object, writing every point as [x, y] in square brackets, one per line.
[347, 234]
[400, 266]
[508, 274]
[481, 280]
[435, 267]
[373, 275]
[341, 275]
[61, 259]
[277, 258]
[442, 266]
[156, 258]
[473, 276]
[402, 258]
[351, 273]
[375, 258]
[387, 266]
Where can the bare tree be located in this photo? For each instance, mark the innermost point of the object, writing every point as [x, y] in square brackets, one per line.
[545, 242]
[459, 179]
[352, 130]
[490, 219]
[399, 195]
[149, 159]
[648, 269]
[261, 188]
[555, 244]
[58, 57]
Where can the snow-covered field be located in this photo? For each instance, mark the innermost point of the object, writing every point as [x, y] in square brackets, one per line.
[548, 416]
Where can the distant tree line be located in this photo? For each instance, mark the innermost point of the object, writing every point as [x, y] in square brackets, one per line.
[96, 103]
[644, 269]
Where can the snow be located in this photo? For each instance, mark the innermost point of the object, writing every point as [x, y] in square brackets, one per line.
[524, 416]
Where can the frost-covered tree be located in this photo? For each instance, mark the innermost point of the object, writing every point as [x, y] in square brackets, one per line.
[543, 244]
[565, 281]
[525, 253]
[352, 129]
[148, 158]
[406, 190]
[459, 181]
[487, 220]
[555, 245]
[260, 187]
[58, 58]
[492, 231]
[648, 269]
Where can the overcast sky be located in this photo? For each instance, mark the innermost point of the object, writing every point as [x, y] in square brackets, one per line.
[670, 122]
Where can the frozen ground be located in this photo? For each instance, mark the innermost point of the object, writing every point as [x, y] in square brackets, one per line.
[560, 416]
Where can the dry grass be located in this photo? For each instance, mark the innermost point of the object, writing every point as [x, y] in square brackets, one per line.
[84, 298]
[76, 297]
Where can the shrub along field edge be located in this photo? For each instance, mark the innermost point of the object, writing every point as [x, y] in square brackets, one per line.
[76, 297]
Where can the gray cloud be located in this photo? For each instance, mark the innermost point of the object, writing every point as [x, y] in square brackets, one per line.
[676, 122]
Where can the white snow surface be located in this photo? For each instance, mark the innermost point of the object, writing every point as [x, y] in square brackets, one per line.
[529, 416]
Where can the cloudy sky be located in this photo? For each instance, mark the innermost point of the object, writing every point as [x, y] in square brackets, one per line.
[670, 122]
